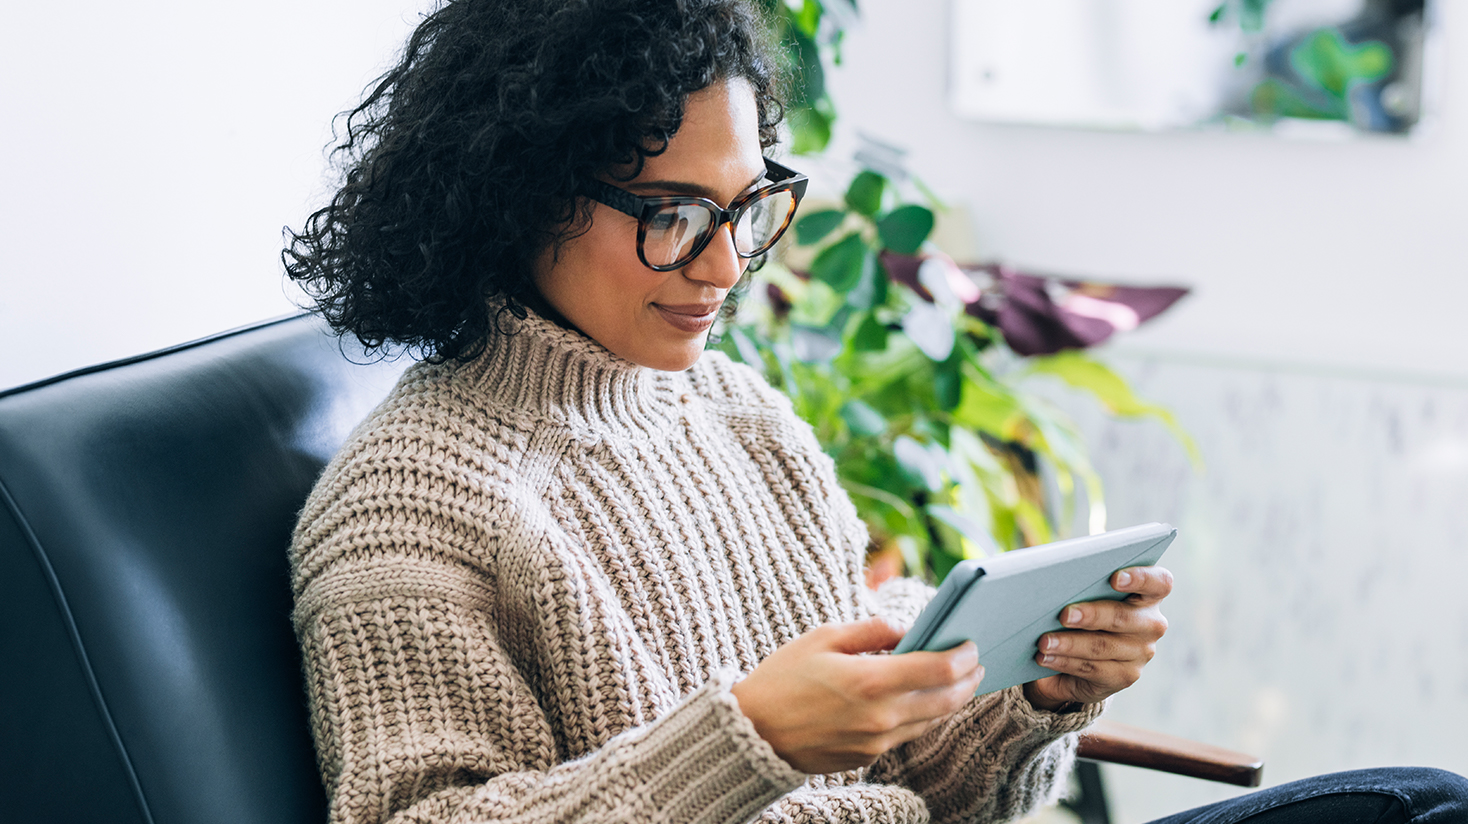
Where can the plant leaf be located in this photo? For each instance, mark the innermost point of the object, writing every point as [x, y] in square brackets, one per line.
[1251, 14]
[870, 335]
[1032, 523]
[1112, 391]
[974, 533]
[816, 305]
[987, 407]
[814, 345]
[863, 419]
[947, 385]
[929, 328]
[904, 229]
[814, 227]
[840, 264]
[919, 464]
[1061, 443]
[969, 448]
[1327, 61]
[871, 285]
[748, 352]
[970, 491]
[809, 17]
[864, 196]
[810, 129]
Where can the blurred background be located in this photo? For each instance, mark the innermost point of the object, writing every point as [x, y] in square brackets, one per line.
[155, 149]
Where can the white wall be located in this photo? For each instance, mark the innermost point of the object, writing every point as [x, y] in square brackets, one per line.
[152, 151]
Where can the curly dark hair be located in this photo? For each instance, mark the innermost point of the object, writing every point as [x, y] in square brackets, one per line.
[461, 163]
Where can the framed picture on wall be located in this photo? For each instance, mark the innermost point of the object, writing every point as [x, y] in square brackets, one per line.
[1323, 67]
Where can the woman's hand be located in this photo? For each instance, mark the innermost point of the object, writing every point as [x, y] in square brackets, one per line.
[1115, 639]
[824, 707]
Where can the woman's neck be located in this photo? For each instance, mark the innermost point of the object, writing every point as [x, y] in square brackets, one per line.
[535, 301]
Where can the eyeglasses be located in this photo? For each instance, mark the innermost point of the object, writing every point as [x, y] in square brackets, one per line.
[671, 231]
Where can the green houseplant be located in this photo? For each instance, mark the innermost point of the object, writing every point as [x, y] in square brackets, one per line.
[919, 399]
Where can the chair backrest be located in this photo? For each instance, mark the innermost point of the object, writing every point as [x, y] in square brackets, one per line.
[148, 671]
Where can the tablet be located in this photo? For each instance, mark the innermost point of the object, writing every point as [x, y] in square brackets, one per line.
[1005, 603]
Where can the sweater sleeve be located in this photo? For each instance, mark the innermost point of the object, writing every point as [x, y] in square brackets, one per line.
[420, 716]
[998, 758]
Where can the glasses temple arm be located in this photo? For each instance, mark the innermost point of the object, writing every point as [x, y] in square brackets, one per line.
[776, 173]
[605, 193]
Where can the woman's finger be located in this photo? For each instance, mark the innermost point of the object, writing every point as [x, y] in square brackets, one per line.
[1098, 678]
[1144, 585]
[1115, 616]
[1098, 646]
[942, 701]
[931, 708]
[900, 717]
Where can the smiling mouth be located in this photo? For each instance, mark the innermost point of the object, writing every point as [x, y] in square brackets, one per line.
[689, 317]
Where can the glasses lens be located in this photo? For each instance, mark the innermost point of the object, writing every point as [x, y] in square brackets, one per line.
[674, 232]
[762, 221]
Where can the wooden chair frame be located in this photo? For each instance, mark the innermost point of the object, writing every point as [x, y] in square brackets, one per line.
[1114, 743]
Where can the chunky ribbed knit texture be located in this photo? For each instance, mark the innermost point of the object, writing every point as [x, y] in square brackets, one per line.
[527, 583]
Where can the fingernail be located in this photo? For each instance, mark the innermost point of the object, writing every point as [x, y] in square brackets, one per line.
[1049, 642]
[1072, 616]
[1047, 660]
[1123, 579]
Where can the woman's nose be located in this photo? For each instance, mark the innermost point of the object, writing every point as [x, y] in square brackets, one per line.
[718, 264]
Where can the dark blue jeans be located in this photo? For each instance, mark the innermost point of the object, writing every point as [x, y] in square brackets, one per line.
[1388, 795]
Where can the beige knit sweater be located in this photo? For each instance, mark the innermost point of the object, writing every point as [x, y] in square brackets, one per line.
[526, 585]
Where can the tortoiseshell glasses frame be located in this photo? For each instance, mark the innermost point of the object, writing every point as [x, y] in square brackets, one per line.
[672, 231]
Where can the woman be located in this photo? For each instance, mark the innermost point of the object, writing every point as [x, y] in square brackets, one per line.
[575, 567]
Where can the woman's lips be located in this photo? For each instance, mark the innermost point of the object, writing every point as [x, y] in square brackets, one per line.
[689, 317]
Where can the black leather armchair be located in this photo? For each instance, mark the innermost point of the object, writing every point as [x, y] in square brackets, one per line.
[148, 671]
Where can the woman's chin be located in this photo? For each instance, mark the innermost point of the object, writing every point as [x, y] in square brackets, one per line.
[670, 354]
[680, 358]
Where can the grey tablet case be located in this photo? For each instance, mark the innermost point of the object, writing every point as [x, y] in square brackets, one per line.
[1005, 603]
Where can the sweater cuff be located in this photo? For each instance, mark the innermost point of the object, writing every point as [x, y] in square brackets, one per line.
[708, 761]
[1053, 723]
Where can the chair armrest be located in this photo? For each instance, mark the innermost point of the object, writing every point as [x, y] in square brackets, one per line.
[1120, 744]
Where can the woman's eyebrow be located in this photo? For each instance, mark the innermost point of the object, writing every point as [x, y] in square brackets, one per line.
[687, 188]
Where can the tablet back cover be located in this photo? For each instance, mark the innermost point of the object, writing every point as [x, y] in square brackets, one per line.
[1007, 602]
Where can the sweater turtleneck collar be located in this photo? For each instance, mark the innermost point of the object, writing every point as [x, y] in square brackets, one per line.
[542, 368]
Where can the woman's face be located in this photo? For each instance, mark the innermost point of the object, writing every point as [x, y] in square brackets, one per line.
[597, 282]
